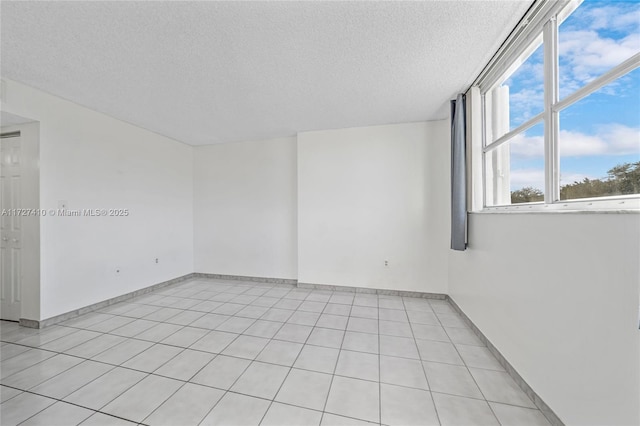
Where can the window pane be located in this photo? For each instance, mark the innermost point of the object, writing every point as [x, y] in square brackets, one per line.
[596, 37]
[600, 142]
[515, 170]
[521, 95]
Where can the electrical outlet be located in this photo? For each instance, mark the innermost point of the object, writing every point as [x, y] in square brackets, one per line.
[386, 263]
[156, 260]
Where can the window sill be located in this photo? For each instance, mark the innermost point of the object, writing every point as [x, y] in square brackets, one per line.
[611, 206]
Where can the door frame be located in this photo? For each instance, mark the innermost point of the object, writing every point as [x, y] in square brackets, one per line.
[30, 199]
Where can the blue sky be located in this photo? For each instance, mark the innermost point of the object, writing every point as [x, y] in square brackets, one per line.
[597, 132]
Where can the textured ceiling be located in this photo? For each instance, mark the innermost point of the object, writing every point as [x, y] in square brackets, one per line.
[210, 72]
[7, 119]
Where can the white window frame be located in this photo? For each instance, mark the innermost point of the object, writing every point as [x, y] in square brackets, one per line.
[542, 19]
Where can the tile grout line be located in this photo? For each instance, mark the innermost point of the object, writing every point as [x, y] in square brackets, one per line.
[435, 408]
[226, 391]
[254, 359]
[29, 391]
[121, 365]
[469, 371]
[333, 375]
[295, 360]
[379, 362]
[183, 349]
[66, 402]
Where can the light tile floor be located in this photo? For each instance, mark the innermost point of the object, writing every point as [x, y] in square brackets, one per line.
[215, 352]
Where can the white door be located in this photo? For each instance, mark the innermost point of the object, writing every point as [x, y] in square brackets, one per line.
[11, 228]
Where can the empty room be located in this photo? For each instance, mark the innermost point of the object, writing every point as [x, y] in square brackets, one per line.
[320, 213]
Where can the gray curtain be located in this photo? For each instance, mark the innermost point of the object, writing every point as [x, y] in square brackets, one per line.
[458, 175]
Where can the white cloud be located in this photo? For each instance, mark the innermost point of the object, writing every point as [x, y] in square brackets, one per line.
[588, 55]
[534, 178]
[527, 146]
[567, 178]
[521, 178]
[595, 39]
[525, 104]
[620, 17]
[614, 139]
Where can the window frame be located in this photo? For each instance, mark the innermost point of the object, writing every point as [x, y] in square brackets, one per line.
[542, 21]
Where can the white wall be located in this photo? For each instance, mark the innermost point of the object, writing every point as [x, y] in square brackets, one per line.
[370, 194]
[245, 208]
[90, 161]
[557, 294]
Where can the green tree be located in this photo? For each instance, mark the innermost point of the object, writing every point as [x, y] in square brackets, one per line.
[621, 179]
[526, 195]
[626, 178]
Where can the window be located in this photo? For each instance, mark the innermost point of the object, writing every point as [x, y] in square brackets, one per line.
[561, 109]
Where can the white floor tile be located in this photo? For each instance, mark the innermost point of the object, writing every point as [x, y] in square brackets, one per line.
[188, 406]
[430, 332]
[317, 358]
[431, 350]
[406, 407]
[362, 342]
[463, 336]
[402, 372]
[358, 365]
[451, 379]
[294, 333]
[326, 337]
[498, 386]
[508, 415]
[362, 325]
[457, 410]
[209, 321]
[478, 357]
[305, 389]
[105, 388]
[398, 346]
[246, 347]
[185, 337]
[280, 352]
[262, 328]
[222, 372]
[185, 365]
[73, 379]
[21, 407]
[336, 309]
[354, 398]
[329, 419]
[71, 340]
[7, 393]
[143, 398]
[99, 419]
[23, 361]
[288, 415]
[38, 373]
[96, 346]
[260, 342]
[59, 413]
[394, 328]
[159, 332]
[261, 380]
[214, 341]
[122, 352]
[237, 410]
[153, 358]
